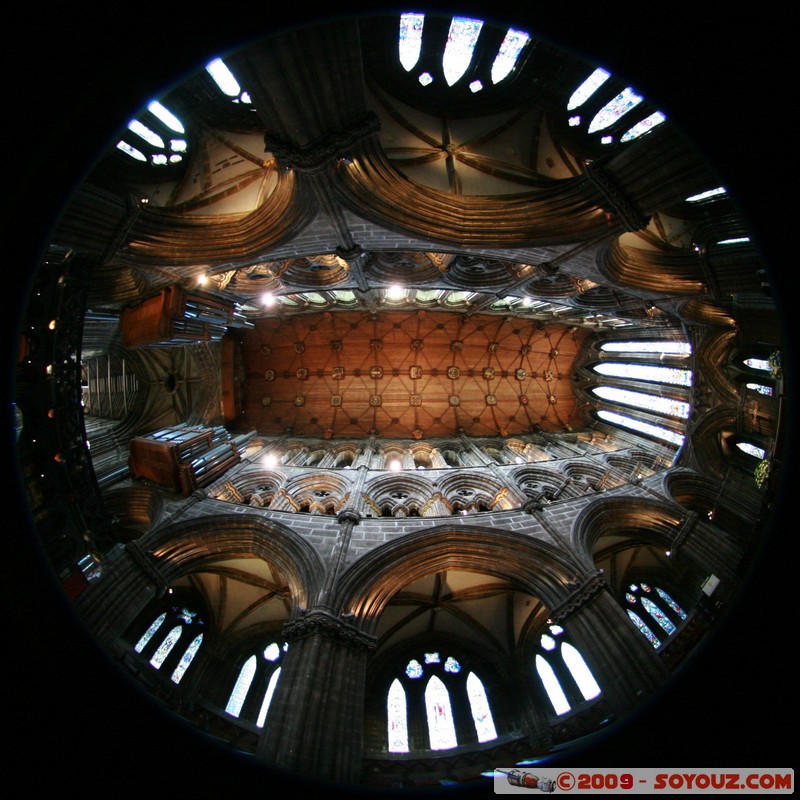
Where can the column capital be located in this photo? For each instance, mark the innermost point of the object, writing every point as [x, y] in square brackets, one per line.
[582, 593]
[323, 623]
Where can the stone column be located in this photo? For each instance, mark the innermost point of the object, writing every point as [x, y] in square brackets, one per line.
[623, 663]
[315, 723]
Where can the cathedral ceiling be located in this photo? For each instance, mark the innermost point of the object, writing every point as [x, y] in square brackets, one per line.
[408, 374]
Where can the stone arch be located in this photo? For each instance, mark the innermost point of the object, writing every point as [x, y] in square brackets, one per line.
[256, 487]
[538, 482]
[403, 494]
[136, 510]
[187, 546]
[470, 492]
[534, 567]
[319, 493]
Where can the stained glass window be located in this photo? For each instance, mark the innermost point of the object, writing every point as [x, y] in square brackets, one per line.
[552, 686]
[666, 347]
[758, 363]
[441, 729]
[461, 40]
[752, 450]
[451, 665]
[431, 658]
[186, 659]
[658, 615]
[587, 88]
[481, 713]
[508, 54]
[645, 372]
[671, 603]
[707, 195]
[646, 632]
[148, 634]
[273, 682]
[166, 646]
[657, 404]
[410, 39]
[643, 126]
[580, 671]
[614, 110]
[397, 714]
[642, 427]
[414, 669]
[241, 687]
[272, 652]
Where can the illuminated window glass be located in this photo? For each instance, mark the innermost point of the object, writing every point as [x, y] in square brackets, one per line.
[587, 88]
[186, 659]
[441, 728]
[265, 703]
[148, 634]
[760, 388]
[410, 42]
[646, 632]
[552, 686]
[645, 372]
[508, 54]
[658, 615]
[166, 646]
[481, 713]
[580, 671]
[397, 714]
[659, 405]
[758, 363]
[614, 110]
[166, 116]
[461, 40]
[707, 195]
[671, 603]
[451, 665]
[145, 133]
[414, 669]
[752, 450]
[643, 126]
[667, 347]
[241, 687]
[642, 427]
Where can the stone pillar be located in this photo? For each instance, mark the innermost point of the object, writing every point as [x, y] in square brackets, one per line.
[622, 661]
[111, 604]
[316, 720]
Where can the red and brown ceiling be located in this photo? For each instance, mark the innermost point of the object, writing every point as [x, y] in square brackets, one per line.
[407, 374]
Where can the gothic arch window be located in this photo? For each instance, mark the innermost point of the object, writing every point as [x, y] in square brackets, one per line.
[252, 692]
[647, 390]
[171, 640]
[155, 137]
[436, 693]
[654, 612]
[563, 672]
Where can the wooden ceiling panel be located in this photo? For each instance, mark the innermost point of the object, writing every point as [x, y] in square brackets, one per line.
[408, 374]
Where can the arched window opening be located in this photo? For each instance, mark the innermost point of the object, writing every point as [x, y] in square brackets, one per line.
[510, 50]
[654, 612]
[410, 44]
[587, 88]
[760, 388]
[565, 675]
[397, 715]
[614, 110]
[645, 372]
[171, 641]
[461, 41]
[255, 684]
[441, 728]
[666, 406]
[658, 347]
[752, 450]
[430, 695]
[639, 426]
[481, 713]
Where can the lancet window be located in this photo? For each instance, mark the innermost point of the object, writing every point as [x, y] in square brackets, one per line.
[255, 684]
[439, 696]
[563, 672]
[654, 612]
[171, 640]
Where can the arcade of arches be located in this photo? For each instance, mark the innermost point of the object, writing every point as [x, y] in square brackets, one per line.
[391, 437]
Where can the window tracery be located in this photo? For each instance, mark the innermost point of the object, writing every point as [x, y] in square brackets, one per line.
[654, 612]
[429, 688]
[255, 684]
